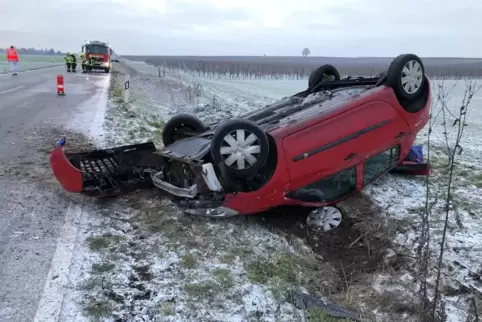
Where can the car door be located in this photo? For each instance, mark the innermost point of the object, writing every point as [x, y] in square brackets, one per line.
[341, 142]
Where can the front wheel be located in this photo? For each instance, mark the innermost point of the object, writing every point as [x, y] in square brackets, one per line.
[107, 70]
[241, 145]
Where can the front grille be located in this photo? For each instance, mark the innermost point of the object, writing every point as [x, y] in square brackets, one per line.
[98, 59]
[104, 165]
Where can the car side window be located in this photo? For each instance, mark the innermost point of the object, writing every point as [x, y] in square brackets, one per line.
[378, 164]
[329, 188]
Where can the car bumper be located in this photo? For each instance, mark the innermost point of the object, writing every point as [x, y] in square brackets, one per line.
[105, 173]
[101, 65]
[73, 180]
[69, 176]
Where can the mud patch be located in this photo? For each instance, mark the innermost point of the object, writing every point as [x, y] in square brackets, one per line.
[359, 247]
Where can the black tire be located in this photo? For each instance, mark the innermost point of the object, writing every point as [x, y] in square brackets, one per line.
[318, 75]
[176, 127]
[218, 142]
[396, 72]
[107, 70]
[417, 104]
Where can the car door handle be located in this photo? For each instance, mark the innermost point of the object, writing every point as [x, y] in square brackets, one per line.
[399, 135]
[351, 156]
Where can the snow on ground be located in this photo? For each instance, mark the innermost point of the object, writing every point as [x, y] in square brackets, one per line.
[404, 199]
[144, 261]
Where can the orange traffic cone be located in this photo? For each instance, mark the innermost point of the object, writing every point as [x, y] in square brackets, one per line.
[60, 85]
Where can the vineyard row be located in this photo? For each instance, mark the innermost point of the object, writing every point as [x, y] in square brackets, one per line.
[252, 70]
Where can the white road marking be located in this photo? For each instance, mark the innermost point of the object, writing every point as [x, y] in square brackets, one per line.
[12, 89]
[51, 301]
[24, 104]
[32, 70]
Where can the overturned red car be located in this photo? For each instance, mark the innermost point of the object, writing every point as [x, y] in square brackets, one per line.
[314, 148]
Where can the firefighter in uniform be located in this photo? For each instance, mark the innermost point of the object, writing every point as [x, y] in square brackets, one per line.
[90, 62]
[83, 62]
[74, 62]
[68, 61]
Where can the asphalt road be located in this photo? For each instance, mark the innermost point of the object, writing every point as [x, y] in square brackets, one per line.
[36, 221]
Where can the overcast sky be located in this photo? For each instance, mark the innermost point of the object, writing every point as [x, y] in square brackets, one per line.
[249, 27]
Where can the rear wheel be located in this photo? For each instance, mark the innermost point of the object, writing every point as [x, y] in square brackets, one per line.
[322, 74]
[406, 75]
[241, 145]
[179, 126]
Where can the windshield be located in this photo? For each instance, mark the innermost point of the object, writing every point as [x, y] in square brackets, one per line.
[96, 49]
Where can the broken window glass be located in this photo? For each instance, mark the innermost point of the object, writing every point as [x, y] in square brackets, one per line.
[378, 164]
[328, 189]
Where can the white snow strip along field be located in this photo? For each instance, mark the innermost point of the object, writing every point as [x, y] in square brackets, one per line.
[97, 131]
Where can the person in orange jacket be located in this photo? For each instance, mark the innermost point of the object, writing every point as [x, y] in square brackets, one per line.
[12, 58]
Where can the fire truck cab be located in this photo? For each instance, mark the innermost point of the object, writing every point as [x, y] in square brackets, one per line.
[101, 52]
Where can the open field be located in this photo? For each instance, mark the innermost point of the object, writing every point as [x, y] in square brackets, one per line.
[140, 259]
[29, 62]
[260, 67]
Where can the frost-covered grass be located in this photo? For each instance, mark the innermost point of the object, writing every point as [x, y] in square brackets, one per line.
[145, 261]
[29, 62]
[404, 199]
[154, 264]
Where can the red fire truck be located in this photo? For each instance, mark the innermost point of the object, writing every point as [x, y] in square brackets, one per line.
[101, 52]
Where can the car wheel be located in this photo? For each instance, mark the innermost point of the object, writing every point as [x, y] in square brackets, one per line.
[406, 75]
[178, 127]
[107, 70]
[324, 219]
[323, 73]
[241, 145]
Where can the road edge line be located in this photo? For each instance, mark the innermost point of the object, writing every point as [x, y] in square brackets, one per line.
[52, 297]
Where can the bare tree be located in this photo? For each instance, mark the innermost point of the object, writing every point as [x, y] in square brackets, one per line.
[305, 52]
[434, 311]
